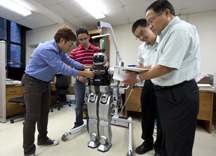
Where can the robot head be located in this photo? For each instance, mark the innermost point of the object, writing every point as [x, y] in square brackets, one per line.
[99, 58]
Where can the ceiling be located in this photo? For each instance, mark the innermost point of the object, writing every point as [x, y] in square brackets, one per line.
[117, 12]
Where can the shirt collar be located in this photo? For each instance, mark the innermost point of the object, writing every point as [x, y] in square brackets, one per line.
[175, 20]
[55, 45]
[148, 46]
[90, 47]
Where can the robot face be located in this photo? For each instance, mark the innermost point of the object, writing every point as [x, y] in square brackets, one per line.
[99, 59]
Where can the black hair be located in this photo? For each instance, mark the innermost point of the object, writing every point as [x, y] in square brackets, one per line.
[161, 5]
[81, 30]
[140, 22]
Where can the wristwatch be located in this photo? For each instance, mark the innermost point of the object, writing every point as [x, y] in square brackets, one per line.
[77, 77]
[138, 78]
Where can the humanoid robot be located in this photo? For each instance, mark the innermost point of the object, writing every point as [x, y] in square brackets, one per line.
[101, 98]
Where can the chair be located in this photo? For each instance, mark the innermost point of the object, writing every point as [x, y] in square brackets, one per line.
[21, 101]
[61, 86]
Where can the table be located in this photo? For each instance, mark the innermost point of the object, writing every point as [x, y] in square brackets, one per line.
[205, 105]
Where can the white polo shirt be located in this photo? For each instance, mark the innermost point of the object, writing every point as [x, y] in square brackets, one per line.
[146, 52]
[178, 49]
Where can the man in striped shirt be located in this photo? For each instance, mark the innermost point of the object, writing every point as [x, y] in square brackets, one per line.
[83, 54]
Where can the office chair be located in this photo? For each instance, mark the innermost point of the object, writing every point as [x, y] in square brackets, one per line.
[62, 86]
[21, 101]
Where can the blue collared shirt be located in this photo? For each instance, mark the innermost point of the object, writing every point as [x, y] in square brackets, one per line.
[47, 60]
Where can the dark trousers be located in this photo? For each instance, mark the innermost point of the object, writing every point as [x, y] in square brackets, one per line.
[37, 102]
[178, 108]
[149, 114]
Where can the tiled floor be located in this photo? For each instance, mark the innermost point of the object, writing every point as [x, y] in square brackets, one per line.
[76, 145]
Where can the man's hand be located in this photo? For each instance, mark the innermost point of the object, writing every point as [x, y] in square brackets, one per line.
[82, 79]
[131, 80]
[86, 67]
[89, 74]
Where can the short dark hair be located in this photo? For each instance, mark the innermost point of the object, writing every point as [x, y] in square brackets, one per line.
[161, 5]
[81, 30]
[66, 33]
[140, 22]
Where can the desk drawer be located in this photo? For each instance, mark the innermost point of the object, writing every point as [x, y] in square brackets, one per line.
[14, 90]
[134, 97]
[133, 107]
[53, 86]
[205, 101]
[204, 115]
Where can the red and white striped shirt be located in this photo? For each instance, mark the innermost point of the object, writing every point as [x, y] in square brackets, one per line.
[82, 55]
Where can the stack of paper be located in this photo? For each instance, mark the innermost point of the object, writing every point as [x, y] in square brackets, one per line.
[206, 87]
[120, 72]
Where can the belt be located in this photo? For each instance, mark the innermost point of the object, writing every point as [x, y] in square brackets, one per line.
[36, 79]
[156, 87]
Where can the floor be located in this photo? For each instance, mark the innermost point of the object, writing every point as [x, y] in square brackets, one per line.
[76, 145]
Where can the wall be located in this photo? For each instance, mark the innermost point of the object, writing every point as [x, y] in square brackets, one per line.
[34, 37]
[205, 23]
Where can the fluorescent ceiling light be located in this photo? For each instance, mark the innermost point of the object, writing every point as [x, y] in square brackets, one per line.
[15, 7]
[92, 8]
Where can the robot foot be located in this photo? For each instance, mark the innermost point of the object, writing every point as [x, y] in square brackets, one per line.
[104, 148]
[93, 144]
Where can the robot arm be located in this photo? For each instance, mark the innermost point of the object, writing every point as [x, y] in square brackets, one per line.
[102, 24]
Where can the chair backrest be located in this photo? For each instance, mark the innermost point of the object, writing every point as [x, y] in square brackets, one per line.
[62, 82]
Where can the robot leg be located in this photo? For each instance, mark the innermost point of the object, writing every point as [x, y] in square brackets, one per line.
[104, 122]
[93, 120]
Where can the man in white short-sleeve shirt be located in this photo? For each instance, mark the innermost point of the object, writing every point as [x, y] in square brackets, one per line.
[148, 100]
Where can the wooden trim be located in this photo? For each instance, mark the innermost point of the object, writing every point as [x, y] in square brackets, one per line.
[91, 32]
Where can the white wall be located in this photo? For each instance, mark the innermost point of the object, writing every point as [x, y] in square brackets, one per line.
[205, 23]
[34, 37]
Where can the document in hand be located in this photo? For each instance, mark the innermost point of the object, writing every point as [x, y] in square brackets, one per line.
[120, 74]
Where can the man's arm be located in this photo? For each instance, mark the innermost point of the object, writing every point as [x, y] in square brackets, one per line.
[142, 66]
[154, 72]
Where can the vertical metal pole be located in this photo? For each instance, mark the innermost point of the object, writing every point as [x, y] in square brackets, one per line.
[2, 83]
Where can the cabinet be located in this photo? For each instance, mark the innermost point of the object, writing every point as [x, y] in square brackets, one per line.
[133, 103]
[53, 98]
[13, 91]
[205, 105]
[206, 109]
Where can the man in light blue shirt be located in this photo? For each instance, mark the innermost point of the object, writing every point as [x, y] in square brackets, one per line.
[46, 60]
[176, 64]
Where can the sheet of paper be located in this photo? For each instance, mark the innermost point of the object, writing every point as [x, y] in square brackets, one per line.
[120, 74]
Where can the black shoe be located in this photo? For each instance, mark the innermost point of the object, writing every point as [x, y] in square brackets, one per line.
[48, 142]
[29, 155]
[143, 149]
[157, 154]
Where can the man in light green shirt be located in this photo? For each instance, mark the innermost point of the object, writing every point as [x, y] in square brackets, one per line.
[175, 65]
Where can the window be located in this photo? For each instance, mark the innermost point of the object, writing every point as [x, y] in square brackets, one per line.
[3, 28]
[14, 36]
[15, 32]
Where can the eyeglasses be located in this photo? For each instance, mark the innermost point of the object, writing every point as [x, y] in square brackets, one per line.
[142, 33]
[69, 43]
[152, 20]
[83, 39]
